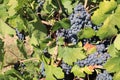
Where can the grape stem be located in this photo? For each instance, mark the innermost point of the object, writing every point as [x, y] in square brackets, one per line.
[31, 59]
[60, 10]
[85, 4]
[46, 23]
[92, 9]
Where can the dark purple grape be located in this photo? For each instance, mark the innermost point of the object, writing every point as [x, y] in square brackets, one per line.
[21, 35]
[97, 58]
[104, 76]
[42, 69]
[66, 68]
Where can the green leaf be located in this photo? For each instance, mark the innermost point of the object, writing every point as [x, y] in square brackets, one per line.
[5, 29]
[17, 21]
[86, 33]
[87, 70]
[112, 50]
[13, 73]
[70, 55]
[1, 50]
[118, 1]
[64, 23]
[117, 76]
[60, 41]
[3, 12]
[77, 71]
[2, 77]
[1, 53]
[117, 42]
[108, 29]
[113, 64]
[52, 71]
[48, 6]
[21, 3]
[105, 8]
[11, 9]
[39, 32]
[21, 47]
[69, 5]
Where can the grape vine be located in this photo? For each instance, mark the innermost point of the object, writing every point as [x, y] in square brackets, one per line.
[59, 40]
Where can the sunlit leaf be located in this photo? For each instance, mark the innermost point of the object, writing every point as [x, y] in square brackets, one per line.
[5, 29]
[53, 72]
[11, 10]
[108, 29]
[117, 42]
[113, 64]
[86, 33]
[70, 55]
[103, 11]
[77, 71]
[117, 76]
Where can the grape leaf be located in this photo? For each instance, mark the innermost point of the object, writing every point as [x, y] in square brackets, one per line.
[118, 1]
[16, 21]
[112, 50]
[117, 42]
[117, 76]
[88, 70]
[108, 29]
[70, 55]
[86, 33]
[39, 32]
[48, 6]
[52, 71]
[21, 3]
[113, 64]
[21, 47]
[14, 73]
[5, 29]
[69, 5]
[3, 12]
[102, 13]
[77, 71]
[1, 50]
[64, 23]
[1, 53]
[11, 10]
[89, 48]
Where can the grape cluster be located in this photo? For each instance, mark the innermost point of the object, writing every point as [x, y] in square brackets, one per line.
[100, 48]
[42, 70]
[16, 65]
[104, 76]
[21, 35]
[79, 19]
[60, 32]
[46, 53]
[20, 67]
[90, 40]
[66, 68]
[98, 58]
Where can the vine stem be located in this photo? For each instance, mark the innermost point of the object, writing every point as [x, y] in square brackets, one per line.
[60, 8]
[93, 8]
[85, 3]
[45, 22]
[31, 59]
